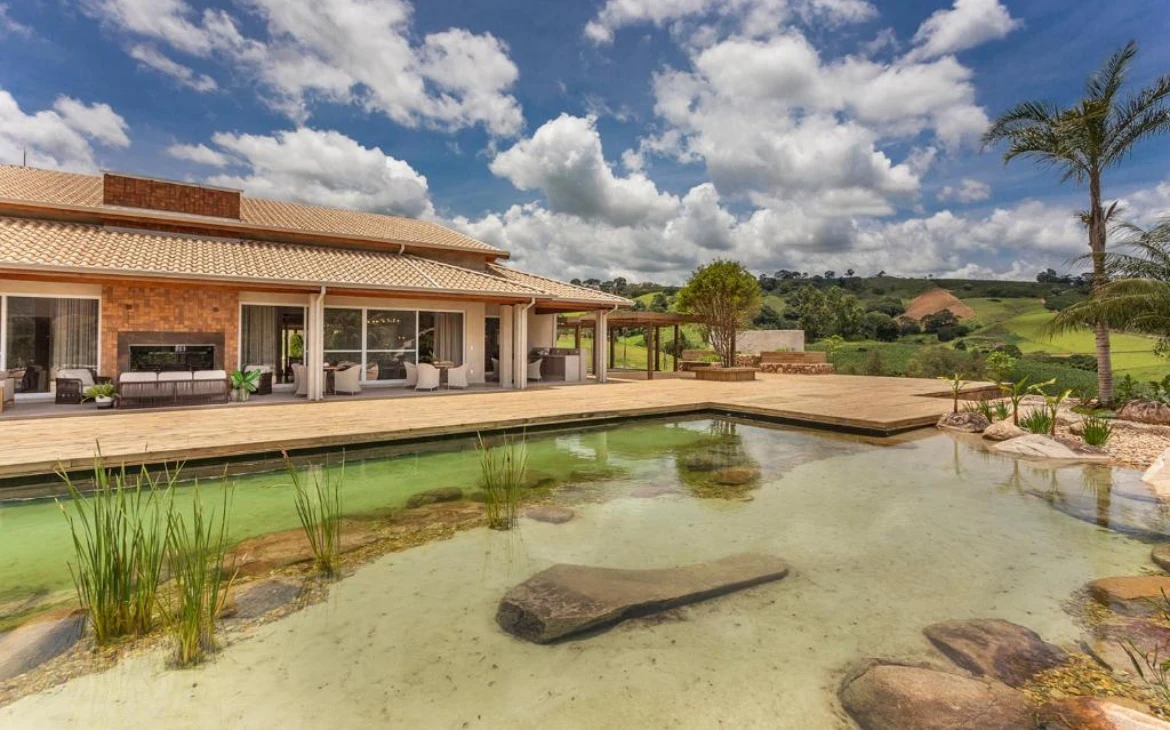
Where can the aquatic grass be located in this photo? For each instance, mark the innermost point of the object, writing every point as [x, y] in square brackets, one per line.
[502, 471]
[1002, 410]
[319, 510]
[119, 536]
[1151, 667]
[1097, 431]
[1038, 421]
[982, 407]
[197, 557]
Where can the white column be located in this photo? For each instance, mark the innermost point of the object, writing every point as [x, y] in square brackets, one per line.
[520, 353]
[601, 347]
[507, 359]
[315, 360]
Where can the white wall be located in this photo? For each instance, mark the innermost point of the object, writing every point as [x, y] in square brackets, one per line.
[542, 330]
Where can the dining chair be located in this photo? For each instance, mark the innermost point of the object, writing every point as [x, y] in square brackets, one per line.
[411, 375]
[428, 377]
[457, 377]
[348, 381]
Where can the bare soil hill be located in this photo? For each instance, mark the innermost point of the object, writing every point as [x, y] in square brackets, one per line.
[936, 300]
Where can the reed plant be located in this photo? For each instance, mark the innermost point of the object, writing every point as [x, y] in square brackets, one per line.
[120, 540]
[1039, 421]
[502, 477]
[1097, 431]
[319, 510]
[202, 578]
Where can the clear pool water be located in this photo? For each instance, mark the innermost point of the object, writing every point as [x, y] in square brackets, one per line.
[882, 539]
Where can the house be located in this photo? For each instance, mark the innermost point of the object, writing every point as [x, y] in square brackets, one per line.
[117, 273]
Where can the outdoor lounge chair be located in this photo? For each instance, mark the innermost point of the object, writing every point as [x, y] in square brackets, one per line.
[534, 369]
[457, 377]
[300, 379]
[348, 381]
[411, 375]
[7, 389]
[264, 384]
[428, 377]
[71, 384]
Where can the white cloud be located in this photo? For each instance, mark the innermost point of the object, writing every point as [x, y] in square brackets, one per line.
[967, 191]
[361, 52]
[966, 25]
[151, 57]
[564, 160]
[200, 154]
[11, 26]
[61, 137]
[323, 168]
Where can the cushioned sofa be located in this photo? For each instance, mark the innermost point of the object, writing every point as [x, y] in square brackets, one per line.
[146, 389]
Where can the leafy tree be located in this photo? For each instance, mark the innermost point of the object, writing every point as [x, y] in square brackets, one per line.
[848, 314]
[887, 305]
[769, 319]
[725, 297]
[934, 322]
[658, 303]
[811, 306]
[1081, 142]
[909, 327]
[880, 326]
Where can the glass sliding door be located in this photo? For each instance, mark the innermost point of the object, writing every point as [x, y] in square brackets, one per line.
[382, 341]
[343, 336]
[272, 336]
[47, 334]
[391, 342]
[440, 337]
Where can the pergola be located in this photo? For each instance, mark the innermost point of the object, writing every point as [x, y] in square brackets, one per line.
[651, 322]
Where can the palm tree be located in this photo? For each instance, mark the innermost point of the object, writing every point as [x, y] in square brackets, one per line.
[1137, 299]
[1081, 142]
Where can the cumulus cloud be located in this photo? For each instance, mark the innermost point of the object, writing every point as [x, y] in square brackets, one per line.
[967, 191]
[151, 58]
[361, 52]
[198, 153]
[59, 138]
[966, 25]
[9, 26]
[319, 167]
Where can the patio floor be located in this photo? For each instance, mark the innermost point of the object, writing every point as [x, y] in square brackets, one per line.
[39, 445]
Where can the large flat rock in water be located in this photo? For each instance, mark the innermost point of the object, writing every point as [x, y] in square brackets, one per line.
[38, 641]
[569, 599]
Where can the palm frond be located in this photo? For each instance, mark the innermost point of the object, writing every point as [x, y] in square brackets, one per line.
[1135, 305]
[1104, 83]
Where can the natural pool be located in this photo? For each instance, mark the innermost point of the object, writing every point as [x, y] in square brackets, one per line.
[883, 539]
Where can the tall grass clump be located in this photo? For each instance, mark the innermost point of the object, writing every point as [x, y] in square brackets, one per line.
[319, 510]
[197, 558]
[1038, 421]
[120, 541]
[502, 477]
[1097, 431]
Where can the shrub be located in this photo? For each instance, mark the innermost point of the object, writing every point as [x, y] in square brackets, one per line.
[1058, 376]
[1000, 364]
[1038, 421]
[908, 327]
[319, 511]
[1010, 349]
[935, 362]
[502, 476]
[1097, 431]
[934, 322]
[873, 363]
[119, 541]
[1127, 389]
[880, 326]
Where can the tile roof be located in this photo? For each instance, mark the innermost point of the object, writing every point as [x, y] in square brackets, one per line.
[48, 187]
[74, 247]
[558, 289]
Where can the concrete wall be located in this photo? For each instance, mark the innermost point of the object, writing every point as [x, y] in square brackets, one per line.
[757, 341]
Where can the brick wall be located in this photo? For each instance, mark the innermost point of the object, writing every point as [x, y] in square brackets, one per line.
[135, 192]
[152, 308]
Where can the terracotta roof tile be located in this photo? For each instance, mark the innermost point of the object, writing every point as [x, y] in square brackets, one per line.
[558, 289]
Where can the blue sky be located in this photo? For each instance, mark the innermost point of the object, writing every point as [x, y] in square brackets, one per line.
[600, 137]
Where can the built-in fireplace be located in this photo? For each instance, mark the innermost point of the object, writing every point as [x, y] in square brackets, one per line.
[165, 358]
[170, 351]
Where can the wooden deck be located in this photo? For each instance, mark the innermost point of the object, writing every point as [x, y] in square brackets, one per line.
[863, 404]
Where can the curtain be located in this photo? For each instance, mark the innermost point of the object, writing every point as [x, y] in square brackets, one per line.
[449, 336]
[74, 333]
[261, 346]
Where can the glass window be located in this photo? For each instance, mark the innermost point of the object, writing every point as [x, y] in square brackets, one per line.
[440, 337]
[272, 336]
[390, 330]
[388, 365]
[47, 334]
[343, 329]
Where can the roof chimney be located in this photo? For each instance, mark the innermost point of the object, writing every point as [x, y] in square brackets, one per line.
[128, 191]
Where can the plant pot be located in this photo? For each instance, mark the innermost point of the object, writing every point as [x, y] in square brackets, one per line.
[241, 395]
[104, 401]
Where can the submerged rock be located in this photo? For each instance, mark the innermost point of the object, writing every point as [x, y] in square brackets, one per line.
[551, 514]
[1002, 431]
[650, 491]
[431, 496]
[1132, 595]
[1145, 411]
[36, 642]
[569, 599]
[701, 462]
[1037, 446]
[1157, 477]
[1161, 556]
[1099, 713]
[259, 555]
[894, 697]
[1109, 638]
[964, 422]
[252, 600]
[996, 648]
[734, 476]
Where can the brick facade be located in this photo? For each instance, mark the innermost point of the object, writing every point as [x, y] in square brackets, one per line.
[154, 308]
[136, 192]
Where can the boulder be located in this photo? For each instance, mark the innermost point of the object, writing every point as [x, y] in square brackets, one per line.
[259, 555]
[734, 476]
[1002, 431]
[1157, 477]
[701, 462]
[1145, 411]
[1037, 446]
[1099, 713]
[1132, 595]
[1161, 556]
[964, 422]
[995, 648]
[36, 642]
[255, 599]
[569, 599]
[1109, 637]
[431, 496]
[551, 514]
[893, 697]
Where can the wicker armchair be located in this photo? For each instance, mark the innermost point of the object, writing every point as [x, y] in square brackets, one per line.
[72, 382]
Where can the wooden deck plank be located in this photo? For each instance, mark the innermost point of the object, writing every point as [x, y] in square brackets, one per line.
[37, 446]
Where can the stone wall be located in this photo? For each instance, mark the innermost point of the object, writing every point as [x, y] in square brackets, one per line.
[157, 308]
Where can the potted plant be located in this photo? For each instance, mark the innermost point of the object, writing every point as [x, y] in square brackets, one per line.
[103, 394]
[244, 383]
